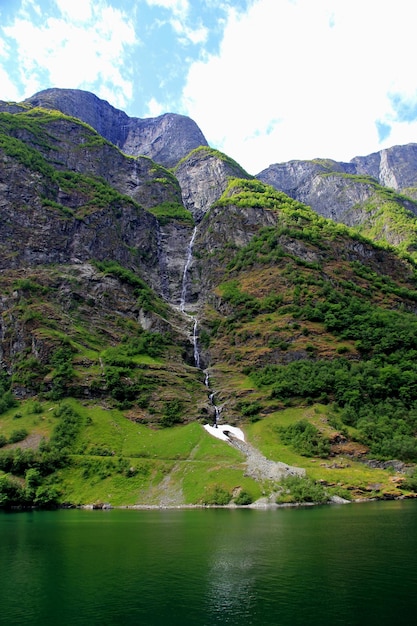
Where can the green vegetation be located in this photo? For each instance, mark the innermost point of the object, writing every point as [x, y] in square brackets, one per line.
[168, 211]
[207, 151]
[7, 399]
[305, 438]
[36, 467]
[93, 193]
[96, 455]
[146, 297]
[375, 395]
[303, 490]
[217, 496]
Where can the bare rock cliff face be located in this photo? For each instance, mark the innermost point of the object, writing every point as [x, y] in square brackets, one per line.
[203, 177]
[394, 167]
[69, 145]
[165, 139]
[47, 235]
[83, 226]
[351, 193]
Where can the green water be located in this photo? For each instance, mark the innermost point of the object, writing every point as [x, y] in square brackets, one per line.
[351, 565]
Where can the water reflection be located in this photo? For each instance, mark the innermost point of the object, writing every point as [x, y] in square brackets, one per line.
[321, 566]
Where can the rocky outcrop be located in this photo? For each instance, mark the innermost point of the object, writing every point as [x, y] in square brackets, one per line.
[165, 139]
[293, 176]
[203, 177]
[354, 193]
[40, 217]
[394, 167]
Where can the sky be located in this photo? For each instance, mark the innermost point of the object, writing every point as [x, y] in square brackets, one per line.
[267, 81]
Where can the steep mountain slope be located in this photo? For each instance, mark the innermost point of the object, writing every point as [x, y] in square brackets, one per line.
[203, 176]
[165, 139]
[360, 193]
[394, 167]
[139, 303]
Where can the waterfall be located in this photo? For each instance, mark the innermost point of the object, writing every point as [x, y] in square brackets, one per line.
[183, 302]
[186, 269]
[211, 398]
[183, 299]
[195, 343]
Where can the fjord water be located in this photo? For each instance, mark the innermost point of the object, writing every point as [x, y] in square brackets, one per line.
[351, 565]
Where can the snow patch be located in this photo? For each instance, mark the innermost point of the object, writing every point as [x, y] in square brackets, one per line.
[220, 432]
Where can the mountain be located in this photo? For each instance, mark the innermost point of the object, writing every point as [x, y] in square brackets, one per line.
[150, 286]
[165, 139]
[375, 194]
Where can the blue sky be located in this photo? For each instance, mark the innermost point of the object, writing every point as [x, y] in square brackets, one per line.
[266, 80]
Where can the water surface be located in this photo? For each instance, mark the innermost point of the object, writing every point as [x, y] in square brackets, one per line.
[330, 565]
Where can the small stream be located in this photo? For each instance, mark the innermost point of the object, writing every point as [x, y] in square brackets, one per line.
[193, 318]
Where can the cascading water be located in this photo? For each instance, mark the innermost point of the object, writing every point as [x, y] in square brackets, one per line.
[186, 270]
[195, 343]
[183, 302]
[183, 299]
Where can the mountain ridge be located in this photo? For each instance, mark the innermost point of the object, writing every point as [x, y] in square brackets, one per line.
[134, 136]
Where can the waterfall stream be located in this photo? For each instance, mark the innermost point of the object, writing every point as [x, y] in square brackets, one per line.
[183, 303]
[188, 261]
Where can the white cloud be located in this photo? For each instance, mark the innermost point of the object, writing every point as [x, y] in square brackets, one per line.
[186, 33]
[8, 87]
[155, 108]
[301, 79]
[179, 8]
[179, 21]
[84, 46]
[77, 10]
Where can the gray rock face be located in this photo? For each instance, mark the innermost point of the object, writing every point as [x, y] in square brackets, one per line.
[203, 177]
[124, 233]
[394, 167]
[295, 175]
[109, 122]
[351, 193]
[165, 139]
[47, 235]
[231, 227]
[69, 145]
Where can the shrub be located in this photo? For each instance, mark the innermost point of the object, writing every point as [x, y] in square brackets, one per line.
[11, 491]
[65, 432]
[18, 435]
[249, 409]
[305, 438]
[218, 496]
[172, 413]
[35, 408]
[244, 498]
[410, 482]
[301, 489]
[7, 401]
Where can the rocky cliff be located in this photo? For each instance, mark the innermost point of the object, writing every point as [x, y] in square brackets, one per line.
[361, 194]
[165, 139]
